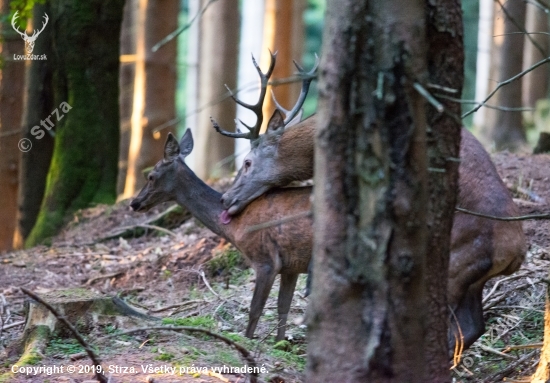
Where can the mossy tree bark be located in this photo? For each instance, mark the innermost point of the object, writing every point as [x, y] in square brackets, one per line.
[367, 311]
[12, 80]
[38, 104]
[85, 37]
[445, 68]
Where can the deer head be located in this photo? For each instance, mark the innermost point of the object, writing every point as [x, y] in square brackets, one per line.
[161, 181]
[261, 168]
[29, 40]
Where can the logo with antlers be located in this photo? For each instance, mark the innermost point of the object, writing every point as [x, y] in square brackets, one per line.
[29, 40]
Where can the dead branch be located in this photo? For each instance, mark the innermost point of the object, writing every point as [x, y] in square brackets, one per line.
[14, 324]
[276, 222]
[91, 354]
[242, 350]
[506, 82]
[176, 306]
[519, 218]
[511, 367]
[523, 346]
[106, 276]
[496, 352]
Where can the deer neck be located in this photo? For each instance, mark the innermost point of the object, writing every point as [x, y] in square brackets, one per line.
[201, 200]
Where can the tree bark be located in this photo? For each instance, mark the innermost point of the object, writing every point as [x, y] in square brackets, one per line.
[219, 54]
[37, 104]
[126, 84]
[154, 89]
[535, 83]
[507, 132]
[284, 33]
[84, 164]
[542, 374]
[367, 311]
[445, 68]
[12, 77]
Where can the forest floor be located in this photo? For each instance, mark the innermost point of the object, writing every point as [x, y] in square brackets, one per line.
[188, 276]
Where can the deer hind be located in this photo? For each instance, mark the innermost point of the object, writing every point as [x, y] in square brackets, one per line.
[480, 248]
[285, 249]
[29, 40]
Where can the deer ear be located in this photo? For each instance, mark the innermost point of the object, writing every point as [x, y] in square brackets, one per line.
[276, 123]
[171, 148]
[186, 143]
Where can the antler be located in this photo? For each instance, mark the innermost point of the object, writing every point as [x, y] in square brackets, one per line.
[44, 23]
[23, 34]
[254, 131]
[307, 77]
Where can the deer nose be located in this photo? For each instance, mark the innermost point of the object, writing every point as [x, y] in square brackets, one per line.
[134, 205]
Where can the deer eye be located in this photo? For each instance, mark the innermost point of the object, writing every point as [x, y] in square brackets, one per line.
[247, 163]
[150, 177]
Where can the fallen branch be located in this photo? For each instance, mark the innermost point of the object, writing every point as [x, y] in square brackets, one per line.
[14, 324]
[523, 346]
[106, 276]
[502, 374]
[91, 354]
[243, 351]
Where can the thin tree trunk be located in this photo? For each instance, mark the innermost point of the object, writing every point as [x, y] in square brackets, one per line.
[84, 164]
[126, 81]
[535, 83]
[284, 33]
[154, 89]
[12, 77]
[445, 63]
[37, 104]
[483, 63]
[219, 54]
[542, 374]
[367, 310]
[507, 132]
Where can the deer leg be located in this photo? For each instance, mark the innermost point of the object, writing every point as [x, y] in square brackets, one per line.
[309, 278]
[467, 323]
[265, 276]
[286, 291]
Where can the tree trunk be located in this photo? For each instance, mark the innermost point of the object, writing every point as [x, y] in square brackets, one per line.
[12, 83]
[126, 81]
[445, 67]
[367, 311]
[84, 164]
[38, 103]
[483, 63]
[219, 54]
[284, 33]
[535, 83]
[543, 369]
[507, 131]
[154, 89]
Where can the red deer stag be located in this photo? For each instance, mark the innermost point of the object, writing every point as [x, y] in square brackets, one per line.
[480, 248]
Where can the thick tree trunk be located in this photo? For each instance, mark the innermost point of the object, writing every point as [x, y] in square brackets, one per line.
[219, 54]
[284, 33]
[367, 312]
[535, 83]
[445, 67]
[126, 81]
[507, 132]
[12, 83]
[84, 163]
[154, 89]
[38, 104]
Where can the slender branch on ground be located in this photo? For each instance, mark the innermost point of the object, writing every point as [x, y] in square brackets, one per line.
[511, 367]
[506, 82]
[91, 354]
[519, 218]
[241, 349]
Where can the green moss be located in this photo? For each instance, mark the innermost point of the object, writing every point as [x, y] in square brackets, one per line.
[165, 357]
[199, 321]
[64, 346]
[83, 170]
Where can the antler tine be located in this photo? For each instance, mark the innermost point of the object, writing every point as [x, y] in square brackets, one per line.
[307, 77]
[229, 134]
